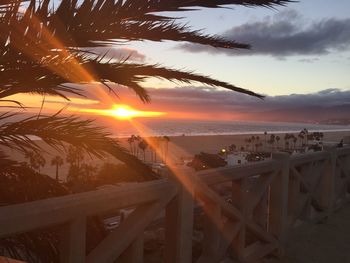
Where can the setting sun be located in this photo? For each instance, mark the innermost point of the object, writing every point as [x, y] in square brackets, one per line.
[124, 112]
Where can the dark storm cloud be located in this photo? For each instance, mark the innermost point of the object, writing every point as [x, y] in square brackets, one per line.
[320, 106]
[285, 34]
[218, 100]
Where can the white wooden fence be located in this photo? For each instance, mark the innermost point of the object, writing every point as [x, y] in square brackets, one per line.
[265, 201]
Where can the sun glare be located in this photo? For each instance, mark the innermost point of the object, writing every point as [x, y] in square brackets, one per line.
[124, 112]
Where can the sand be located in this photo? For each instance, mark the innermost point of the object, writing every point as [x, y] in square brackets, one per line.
[179, 147]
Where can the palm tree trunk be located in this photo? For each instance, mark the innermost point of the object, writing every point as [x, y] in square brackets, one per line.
[166, 152]
[57, 172]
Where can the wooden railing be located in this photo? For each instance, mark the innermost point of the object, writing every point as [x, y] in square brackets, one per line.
[248, 210]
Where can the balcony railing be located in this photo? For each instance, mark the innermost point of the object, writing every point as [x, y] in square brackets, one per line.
[248, 210]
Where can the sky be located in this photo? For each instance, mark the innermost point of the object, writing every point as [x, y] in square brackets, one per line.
[300, 60]
[301, 48]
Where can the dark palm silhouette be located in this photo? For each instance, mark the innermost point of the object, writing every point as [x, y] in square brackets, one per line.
[75, 156]
[47, 46]
[36, 160]
[278, 138]
[57, 161]
[131, 141]
[143, 146]
[265, 138]
[166, 141]
[232, 148]
[295, 139]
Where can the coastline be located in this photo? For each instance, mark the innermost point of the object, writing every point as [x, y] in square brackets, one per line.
[179, 147]
[248, 133]
[213, 143]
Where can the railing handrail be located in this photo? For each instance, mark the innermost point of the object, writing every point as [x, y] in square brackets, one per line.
[308, 157]
[42, 213]
[225, 174]
[343, 151]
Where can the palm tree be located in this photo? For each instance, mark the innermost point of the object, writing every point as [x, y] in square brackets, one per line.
[301, 137]
[306, 134]
[295, 139]
[143, 146]
[47, 46]
[155, 147]
[286, 140]
[75, 156]
[137, 140]
[166, 139]
[321, 136]
[36, 160]
[272, 140]
[89, 171]
[278, 138]
[131, 140]
[286, 144]
[252, 140]
[232, 148]
[248, 141]
[257, 147]
[265, 137]
[57, 161]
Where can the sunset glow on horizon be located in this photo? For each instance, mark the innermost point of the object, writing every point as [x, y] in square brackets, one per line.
[124, 112]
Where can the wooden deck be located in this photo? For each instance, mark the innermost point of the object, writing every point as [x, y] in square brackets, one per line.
[323, 242]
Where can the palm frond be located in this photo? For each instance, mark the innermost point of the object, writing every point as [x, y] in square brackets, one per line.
[74, 24]
[71, 25]
[59, 131]
[131, 75]
[41, 80]
[41, 42]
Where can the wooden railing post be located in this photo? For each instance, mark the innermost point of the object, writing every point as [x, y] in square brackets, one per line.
[134, 253]
[278, 217]
[328, 183]
[212, 235]
[179, 219]
[73, 241]
[239, 199]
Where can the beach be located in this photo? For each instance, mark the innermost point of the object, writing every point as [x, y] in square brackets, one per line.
[179, 148]
[214, 143]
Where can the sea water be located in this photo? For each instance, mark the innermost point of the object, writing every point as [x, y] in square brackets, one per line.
[192, 128]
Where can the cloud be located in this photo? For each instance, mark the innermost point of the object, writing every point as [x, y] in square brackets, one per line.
[219, 104]
[286, 34]
[118, 53]
[209, 96]
[323, 105]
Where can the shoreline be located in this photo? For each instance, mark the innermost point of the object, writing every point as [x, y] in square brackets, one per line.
[234, 133]
[184, 147]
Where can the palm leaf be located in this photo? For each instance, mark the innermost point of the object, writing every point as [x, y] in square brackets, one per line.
[58, 131]
[131, 75]
[42, 80]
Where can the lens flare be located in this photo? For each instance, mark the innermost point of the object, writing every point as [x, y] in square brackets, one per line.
[124, 112]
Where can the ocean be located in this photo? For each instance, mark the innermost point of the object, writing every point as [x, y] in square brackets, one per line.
[192, 128]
